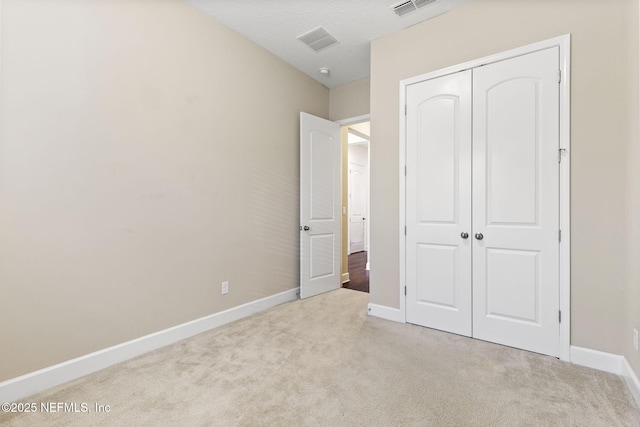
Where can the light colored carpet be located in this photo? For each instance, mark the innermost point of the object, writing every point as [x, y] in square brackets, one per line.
[324, 362]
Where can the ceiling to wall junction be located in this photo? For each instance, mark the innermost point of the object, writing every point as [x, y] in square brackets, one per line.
[276, 25]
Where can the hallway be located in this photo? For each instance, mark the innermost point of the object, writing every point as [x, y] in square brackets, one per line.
[358, 274]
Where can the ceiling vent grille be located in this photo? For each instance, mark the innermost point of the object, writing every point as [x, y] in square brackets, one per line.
[409, 6]
[317, 39]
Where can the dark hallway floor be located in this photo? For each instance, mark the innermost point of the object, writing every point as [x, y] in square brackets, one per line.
[358, 274]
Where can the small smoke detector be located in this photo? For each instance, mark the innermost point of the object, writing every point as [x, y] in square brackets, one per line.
[317, 39]
[409, 6]
[324, 71]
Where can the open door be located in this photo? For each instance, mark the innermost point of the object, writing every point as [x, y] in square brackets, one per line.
[357, 208]
[319, 205]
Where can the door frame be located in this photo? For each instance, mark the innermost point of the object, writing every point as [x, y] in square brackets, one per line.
[564, 44]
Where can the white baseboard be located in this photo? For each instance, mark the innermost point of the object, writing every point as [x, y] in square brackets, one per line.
[608, 362]
[345, 277]
[43, 379]
[595, 359]
[384, 312]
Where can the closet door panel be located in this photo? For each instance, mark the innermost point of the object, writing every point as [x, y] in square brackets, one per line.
[512, 152]
[515, 202]
[439, 203]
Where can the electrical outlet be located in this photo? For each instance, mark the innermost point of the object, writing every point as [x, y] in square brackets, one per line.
[225, 288]
[635, 339]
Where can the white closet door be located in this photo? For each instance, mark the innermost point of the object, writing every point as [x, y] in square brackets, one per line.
[515, 202]
[438, 203]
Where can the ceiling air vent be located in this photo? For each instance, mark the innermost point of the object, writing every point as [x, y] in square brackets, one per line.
[409, 6]
[317, 39]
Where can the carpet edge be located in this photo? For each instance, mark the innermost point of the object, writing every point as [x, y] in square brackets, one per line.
[631, 379]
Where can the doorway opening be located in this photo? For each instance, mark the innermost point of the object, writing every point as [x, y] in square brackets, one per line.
[355, 201]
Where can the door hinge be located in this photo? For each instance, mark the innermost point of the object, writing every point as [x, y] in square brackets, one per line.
[559, 235]
[559, 76]
[405, 291]
[559, 316]
[405, 170]
[561, 151]
[405, 230]
[405, 109]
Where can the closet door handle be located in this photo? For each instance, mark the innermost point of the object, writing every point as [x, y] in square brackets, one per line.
[479, 236]
[464, 235]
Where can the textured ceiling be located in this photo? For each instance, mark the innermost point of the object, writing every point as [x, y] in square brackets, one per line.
[275, 24]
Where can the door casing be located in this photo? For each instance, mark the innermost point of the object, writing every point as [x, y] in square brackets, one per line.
[564, 45]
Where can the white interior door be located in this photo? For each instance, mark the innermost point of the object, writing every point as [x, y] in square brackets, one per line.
[516, 202]
[357, 207]
[438, 203]
[319, 205]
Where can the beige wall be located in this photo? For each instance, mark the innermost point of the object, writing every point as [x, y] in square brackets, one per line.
[147, 154]
[350, 100]
[604, 89]
[632, 296]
